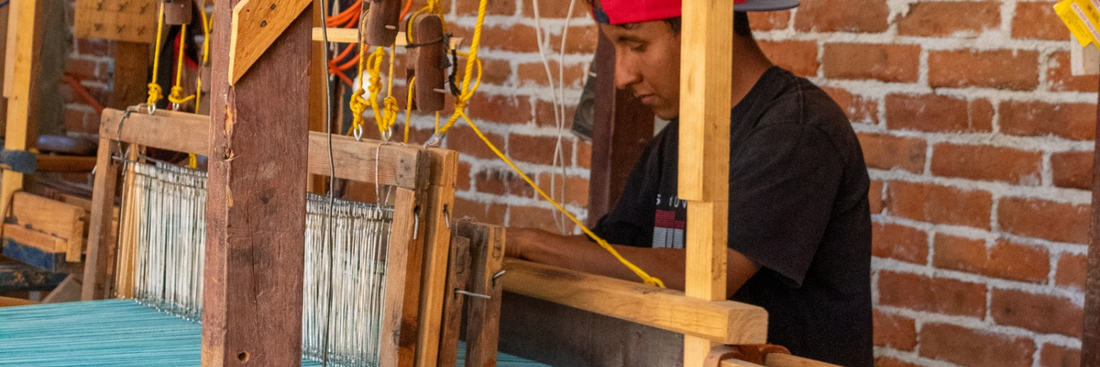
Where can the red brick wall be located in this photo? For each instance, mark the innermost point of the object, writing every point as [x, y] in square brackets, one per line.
[91, 64]
[977, 138]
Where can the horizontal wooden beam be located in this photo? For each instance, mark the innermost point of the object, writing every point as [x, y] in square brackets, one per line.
[351, 35]
[725, 322]
[355, 160]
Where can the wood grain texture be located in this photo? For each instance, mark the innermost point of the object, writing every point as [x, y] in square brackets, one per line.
[24, 46]
[36, 239]
[396, 327]
[117, 20]
[52, 217]
[440, 199]
[256, 26]
[720, 321]
[131, 75]
[402, 166]
[101, 227]
[431, 56]
[706, 252]
[458, 272]
[351, 35]
[383, 22]
[408, 348]
[1090, 336]
[483, 315]
[256, 201]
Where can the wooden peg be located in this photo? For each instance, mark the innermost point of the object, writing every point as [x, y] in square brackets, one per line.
[177, 12]
[382, 25]
[430, 59]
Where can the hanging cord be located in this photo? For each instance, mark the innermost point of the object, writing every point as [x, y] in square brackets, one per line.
[388, 115]
[408, 108]
[155, 92]
[176, 97]
[206, 22]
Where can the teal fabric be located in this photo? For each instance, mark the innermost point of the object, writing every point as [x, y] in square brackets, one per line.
[113, 333]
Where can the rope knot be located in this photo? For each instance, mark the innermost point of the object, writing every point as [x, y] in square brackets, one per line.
[154, 94]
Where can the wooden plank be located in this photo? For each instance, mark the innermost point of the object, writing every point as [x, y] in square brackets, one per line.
[64, 221]
[355, 160]
[440, 200]
[34, 256]
[787, 360]
[396, 334]
[29, 237]
[458, 273]
[101, 244]
[351, 35]
[483, 315]
[117, 20]
[720, 321]
[4, 77]
[64, 163]
[256, 25]
[9, 302]
[131, 74]
[24, 41]
[621, 127]
[10, 12]
[408, 348]
[738, 363]
[703, 177]
[430, 58]
[1090, 335]
[256, 203]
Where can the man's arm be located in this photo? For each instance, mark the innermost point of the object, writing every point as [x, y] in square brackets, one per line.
[578, 253]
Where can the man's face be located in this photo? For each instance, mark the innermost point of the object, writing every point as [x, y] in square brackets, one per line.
[647, 63]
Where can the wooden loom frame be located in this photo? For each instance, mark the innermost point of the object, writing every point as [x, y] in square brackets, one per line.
[424, 181]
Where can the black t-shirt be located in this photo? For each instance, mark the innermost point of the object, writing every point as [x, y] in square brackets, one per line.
[798, 207]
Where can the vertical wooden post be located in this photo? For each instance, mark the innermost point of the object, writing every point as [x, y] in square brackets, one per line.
[131, 74]
[705, 83]
[621, 127]
[22, 68]
[1090, 336]
[255, 217]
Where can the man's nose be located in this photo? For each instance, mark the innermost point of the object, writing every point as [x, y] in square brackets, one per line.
[626, 71]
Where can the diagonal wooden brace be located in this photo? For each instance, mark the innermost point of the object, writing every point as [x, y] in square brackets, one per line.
[256, 25]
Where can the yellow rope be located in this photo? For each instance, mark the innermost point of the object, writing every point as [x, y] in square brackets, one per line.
[205, 53]
[358, 104]
[388, 116]
[154, 88]
[408, 108]
[177, 91]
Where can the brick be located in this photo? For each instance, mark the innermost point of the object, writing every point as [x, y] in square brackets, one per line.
[498, 72]
[576, 189]
[1037, 20]
[582, 39]
[931, 112]
[1072, 169]
[874, 196]
[1071, 271]
[531, 217]
[482, 212]
[975, 348]
[1061, 79]
[890, 362]
[462, 176]
[584, 154]
[899, 242]
[888, 152]
[515, 38]
[502, 182]
[894, 331]
[1075, 121]
[929, 203]
[799, 57]
[1037, 312]
[1059, 356]
[498, 108]
[769, 20]
[1001, 69]
[492, 7]
[858, 108]
[534, 73]
[81, 69]
[538, 149]
[885, 62]
[93, 47]
[581, 12]
[463, 139]
[956, 19]
[1044, 219]
[1004, 259]
[544, 114]
[863, 16]
[938, 295]
[982, 162]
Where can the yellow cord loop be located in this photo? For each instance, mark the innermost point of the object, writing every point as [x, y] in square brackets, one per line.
[205, 53]
[358, 105]
[177, 92]
[154, 89]
[386, 116]
[154, 93]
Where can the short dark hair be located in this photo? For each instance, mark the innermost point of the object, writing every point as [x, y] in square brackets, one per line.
[740, 24]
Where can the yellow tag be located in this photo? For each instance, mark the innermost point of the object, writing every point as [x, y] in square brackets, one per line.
[1081, 17]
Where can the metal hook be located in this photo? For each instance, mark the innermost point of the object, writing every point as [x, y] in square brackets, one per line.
[472, 294]
[497, 275]
[357, 132]
[446, 216]
[416, 222]
[387, 134]
[435, 141]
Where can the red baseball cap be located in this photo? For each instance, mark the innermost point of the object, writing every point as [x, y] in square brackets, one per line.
[633, 11]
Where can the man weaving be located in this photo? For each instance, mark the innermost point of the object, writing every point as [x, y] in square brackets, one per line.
[799, 223]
